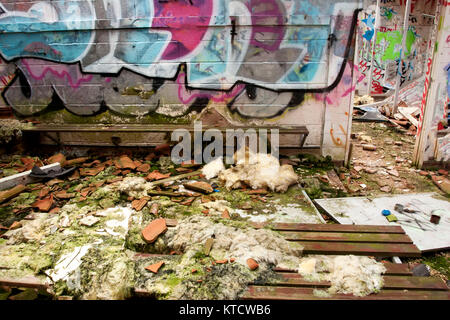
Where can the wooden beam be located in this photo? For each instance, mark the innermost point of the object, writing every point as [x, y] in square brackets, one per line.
[356, 248]
[390, 282]
[294, 293]
[336, 228]
[346, 237]
[392, 269]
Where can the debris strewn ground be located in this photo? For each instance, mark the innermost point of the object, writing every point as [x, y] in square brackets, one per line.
[98, 232]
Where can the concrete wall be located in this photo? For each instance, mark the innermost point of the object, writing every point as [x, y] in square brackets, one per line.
[274, 62]
[433, 142]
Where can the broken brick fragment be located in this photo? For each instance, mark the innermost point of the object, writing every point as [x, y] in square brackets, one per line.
[369, 147]
[91, 171]
[64, 195]
[44, 192]
[225, 214]
[154, 209]
[75, 175]
[252, 264]
[156, 175]
[232, 260]
[155, 267]
[15, 225]
[57, 158]
[139, 204]
[188, 201]
[194, 271]
[144, 168]
[222, 261]
[155, 228]
[124, 162]
[44, 205]
[200, 186]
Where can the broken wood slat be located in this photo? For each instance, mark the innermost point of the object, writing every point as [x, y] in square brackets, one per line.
[336, 228]
[24, 177]
[392, 269]
[11, 193]
[295, 293]
[347, 237]
[27, 282]
[390, 282]
[360, 248]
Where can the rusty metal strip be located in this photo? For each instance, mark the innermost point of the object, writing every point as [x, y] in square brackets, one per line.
[347, 237]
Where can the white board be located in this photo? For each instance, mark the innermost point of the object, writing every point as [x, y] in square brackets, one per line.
[367, 211]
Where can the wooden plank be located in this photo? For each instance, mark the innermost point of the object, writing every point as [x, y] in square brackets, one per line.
[26, 282]
[390, 282]
[392, 269]
[347, 237]
[359, 248]
[283, 129]
[295, 293]
[337, 228]
[24, 177]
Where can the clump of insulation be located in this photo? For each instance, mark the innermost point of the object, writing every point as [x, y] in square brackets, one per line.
[265, 246]
[357, 101]
[213, 168]
[258, 170]
[349, 274]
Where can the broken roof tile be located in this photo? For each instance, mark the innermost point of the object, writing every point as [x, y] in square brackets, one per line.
[199, 186]
[252, 264]
[155, 228]
[155, 267]
[156, 175]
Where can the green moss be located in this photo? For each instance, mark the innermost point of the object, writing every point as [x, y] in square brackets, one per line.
[440, 263]
[108, 117]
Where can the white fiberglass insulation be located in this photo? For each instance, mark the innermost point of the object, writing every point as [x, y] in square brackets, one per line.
[258, 170]
[349, 274]
[263, 245]
[212, 169]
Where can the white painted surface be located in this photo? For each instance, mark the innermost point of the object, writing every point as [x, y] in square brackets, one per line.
[367, 211]
[24, 177]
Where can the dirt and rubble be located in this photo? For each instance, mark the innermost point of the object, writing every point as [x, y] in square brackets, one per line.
[84, 233]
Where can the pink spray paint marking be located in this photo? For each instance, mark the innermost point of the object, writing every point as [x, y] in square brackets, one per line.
[187, 96]
[39, 72]
[187, 22]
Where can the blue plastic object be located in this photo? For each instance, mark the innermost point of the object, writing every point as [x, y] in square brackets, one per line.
[385, 213]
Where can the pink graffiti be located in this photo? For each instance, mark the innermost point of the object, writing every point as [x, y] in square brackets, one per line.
[174, 16]
[187, 96]
[39, 71]
[345, 87]
[262, 24]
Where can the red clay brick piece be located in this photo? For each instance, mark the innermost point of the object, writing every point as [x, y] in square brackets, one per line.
[155, 267]
[154, 229]
[252, 264]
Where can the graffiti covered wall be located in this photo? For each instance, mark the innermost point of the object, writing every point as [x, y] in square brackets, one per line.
[385, 38]
[433, 143]
[281, 61]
